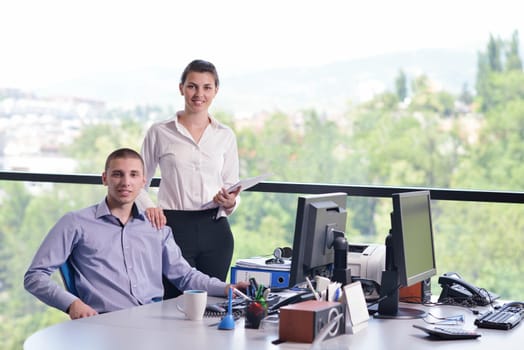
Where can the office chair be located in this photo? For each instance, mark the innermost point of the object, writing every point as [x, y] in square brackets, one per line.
[66, 271]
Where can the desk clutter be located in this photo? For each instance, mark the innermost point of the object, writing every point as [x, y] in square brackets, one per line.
[327, 309]
[304, 308]
[323, 310]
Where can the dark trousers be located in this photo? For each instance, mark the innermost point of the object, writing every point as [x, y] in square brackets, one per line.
[206, 243]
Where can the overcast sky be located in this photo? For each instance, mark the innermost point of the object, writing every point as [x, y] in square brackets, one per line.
[43, 42]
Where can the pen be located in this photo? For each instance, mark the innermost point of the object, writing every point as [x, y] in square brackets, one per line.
[253, 282]
[252, 290]
[312, 289]
[337, 294]
[239, 293]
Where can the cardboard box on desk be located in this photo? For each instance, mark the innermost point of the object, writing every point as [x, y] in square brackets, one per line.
[302, 322]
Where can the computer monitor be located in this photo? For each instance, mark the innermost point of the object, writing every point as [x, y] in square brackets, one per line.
[320, 225]
[410, 253]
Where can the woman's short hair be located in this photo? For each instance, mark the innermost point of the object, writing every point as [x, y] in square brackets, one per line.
[200, 66]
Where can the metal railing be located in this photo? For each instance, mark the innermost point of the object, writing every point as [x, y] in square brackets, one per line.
[303, 188]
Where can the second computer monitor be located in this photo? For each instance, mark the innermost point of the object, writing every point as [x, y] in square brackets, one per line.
[320, 218]
[416, 253]
[410, 252]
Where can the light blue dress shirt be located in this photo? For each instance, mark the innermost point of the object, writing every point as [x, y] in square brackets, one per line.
[115, 266]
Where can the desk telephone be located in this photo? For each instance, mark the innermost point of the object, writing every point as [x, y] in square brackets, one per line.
[455, 289]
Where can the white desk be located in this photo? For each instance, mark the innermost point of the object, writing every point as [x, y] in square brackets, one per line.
[161, 326]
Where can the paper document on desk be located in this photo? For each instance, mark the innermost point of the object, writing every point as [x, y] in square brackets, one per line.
[260, 263]
[243, 184]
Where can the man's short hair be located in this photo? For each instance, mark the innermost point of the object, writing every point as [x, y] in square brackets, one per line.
[123, 153]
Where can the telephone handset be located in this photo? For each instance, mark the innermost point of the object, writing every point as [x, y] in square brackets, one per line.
[457, 290]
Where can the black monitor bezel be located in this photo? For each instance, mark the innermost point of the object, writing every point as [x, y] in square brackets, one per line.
[399, 239]
[395, 275]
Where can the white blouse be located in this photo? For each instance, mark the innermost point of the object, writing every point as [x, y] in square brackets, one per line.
[191, 173]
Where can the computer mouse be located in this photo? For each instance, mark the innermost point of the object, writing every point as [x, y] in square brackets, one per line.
[215, 308]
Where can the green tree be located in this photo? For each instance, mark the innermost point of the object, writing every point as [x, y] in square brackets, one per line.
[427, 98]
[513, 60]
[492, 81]
[494, 51]
[23, 228]
[494, 161]
[401, 86]
[502, 88]
[97, 141]
[482, 81]
[465, 96]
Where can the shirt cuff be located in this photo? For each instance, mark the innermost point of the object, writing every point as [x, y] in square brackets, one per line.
[226, 212]
[66, 302]
[217, 288]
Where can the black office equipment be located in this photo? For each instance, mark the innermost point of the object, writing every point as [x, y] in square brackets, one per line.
[220, 308]
[277, 300]
[218, 314]
[449, 333]
[410, 255]
[215, 308]
[456, 290]
[319, 228]
[506, 317]
[279, 255]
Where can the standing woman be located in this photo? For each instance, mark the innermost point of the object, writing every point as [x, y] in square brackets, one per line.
[198, 159]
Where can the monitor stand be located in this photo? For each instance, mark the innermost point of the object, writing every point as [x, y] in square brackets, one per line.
[388, 307]
[403, 313]
[341, 272]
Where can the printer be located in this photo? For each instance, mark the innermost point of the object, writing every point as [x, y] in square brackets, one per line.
[367, 261]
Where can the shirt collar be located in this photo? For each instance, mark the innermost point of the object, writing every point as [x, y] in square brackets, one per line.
[103, 210]
[214, 122]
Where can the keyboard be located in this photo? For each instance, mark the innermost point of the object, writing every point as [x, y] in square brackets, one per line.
[449, 333]
[507, 317]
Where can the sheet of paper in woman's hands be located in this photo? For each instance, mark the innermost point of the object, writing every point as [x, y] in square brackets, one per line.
[244, 184]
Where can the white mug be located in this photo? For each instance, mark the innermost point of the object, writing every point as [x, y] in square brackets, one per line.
[194, 302]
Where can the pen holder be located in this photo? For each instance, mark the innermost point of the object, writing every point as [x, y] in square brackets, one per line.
[255, 312]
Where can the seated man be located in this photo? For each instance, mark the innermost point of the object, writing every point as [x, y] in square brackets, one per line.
[117, 255]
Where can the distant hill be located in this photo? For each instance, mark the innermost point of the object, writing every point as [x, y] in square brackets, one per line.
[326, 88]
